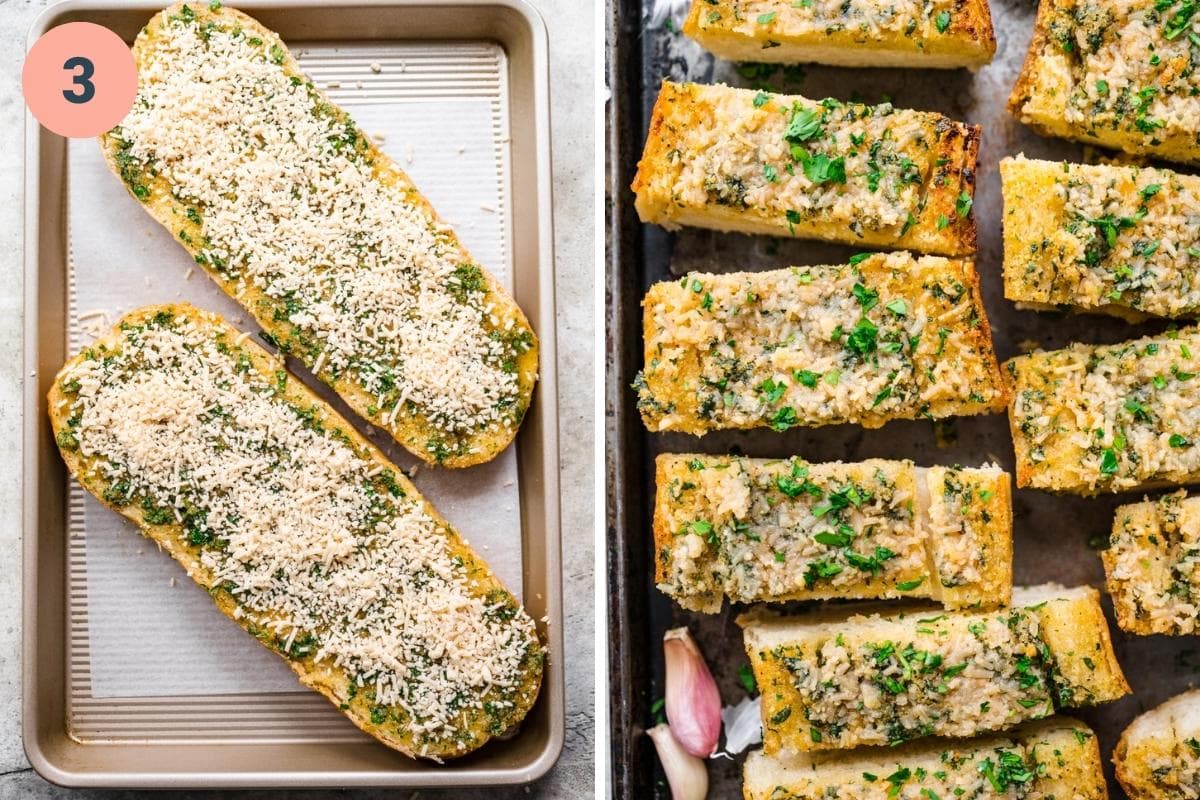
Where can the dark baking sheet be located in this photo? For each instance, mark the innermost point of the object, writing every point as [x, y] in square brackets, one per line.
[1055, 536]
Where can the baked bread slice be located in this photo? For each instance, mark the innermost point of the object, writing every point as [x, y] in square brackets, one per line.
[1054, 758]
[887, 337]
[1158, 755]
[1152, 565]
[1119, 75]
[1108, 418]
[299, 217]
[784, 165]
[859, 33]
[301, 531]
[1101, 238]
[769, 530]
[831, 681]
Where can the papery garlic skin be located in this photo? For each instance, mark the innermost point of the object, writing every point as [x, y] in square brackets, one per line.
[743, 725]
[693, 702]
[686, 774]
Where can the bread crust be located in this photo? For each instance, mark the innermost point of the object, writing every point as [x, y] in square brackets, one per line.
[674, 395]
[788, 655]
[689, 120]
[956, 548]
[331, 682]
[410, 428]
[1055, 92]
[794, 35]
[1154, 758]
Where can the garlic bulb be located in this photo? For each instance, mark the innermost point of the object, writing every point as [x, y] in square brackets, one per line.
[692, 700]
[686, 774]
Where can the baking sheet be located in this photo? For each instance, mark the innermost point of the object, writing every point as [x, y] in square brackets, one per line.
[1055, 537]
[136, 596]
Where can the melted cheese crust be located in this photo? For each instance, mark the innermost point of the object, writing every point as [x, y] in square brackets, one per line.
[301, 219]
[1118, 73]
[861, 33]
[762, 530]
[1055, 759]
[891, 337]
[784, 165]
[1111, 418]
[1113, 239]
[829, 682]
[302, 532]
[1152, 565]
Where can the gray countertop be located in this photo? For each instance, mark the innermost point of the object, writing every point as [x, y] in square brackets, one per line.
[571, 66]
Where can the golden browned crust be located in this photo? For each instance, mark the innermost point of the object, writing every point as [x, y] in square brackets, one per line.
[667, 192]
[411, 428]
[331, 682]
[674, 396]
[1156, 757]
[794, 35]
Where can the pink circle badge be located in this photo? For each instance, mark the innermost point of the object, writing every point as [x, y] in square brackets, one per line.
[79, 79]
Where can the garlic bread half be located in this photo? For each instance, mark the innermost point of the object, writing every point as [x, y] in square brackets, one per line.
[301, 531]
[298, 216]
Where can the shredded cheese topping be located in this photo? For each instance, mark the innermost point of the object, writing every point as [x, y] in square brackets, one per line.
[294, 212]
[755, 530]
[327, 556]
[1104, 236]
[1108, 418]
[890, 337]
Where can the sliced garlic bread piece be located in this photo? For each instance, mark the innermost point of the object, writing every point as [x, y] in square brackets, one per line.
[784, 165]
[301, 531]
[832, 681]
[858, 33]
[1108, 418]
[1158, 755]
[321, 236]
[1152, 565]
[1054, 758]
[888, 337]
[1101, 238]
[1116, 74]
[768, 530]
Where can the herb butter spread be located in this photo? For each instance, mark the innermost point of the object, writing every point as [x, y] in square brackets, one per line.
[886, 337]
[755, 530]
[755, 162]
[1108, 418]
[1158, 755]
[881, 33]
[1123, 240]
[299, 529]
[1153, 565]
[831, 683]
[1055, 759]
[321, 237]
[1120, 74]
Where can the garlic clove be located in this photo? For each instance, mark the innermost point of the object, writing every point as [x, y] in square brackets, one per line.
[692, 701]
[686, 774]
[743, 725]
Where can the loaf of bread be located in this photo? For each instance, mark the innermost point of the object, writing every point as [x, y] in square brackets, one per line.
[1152, 565]
[1120, 75]
[831, 681]
[1158, 755]
[299, 217]
[1101, 238]
[300, 530]
[784, 165]
[857, 33]
[759, 530]
[887, 337]
[1053, 759]
[1108, 418]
